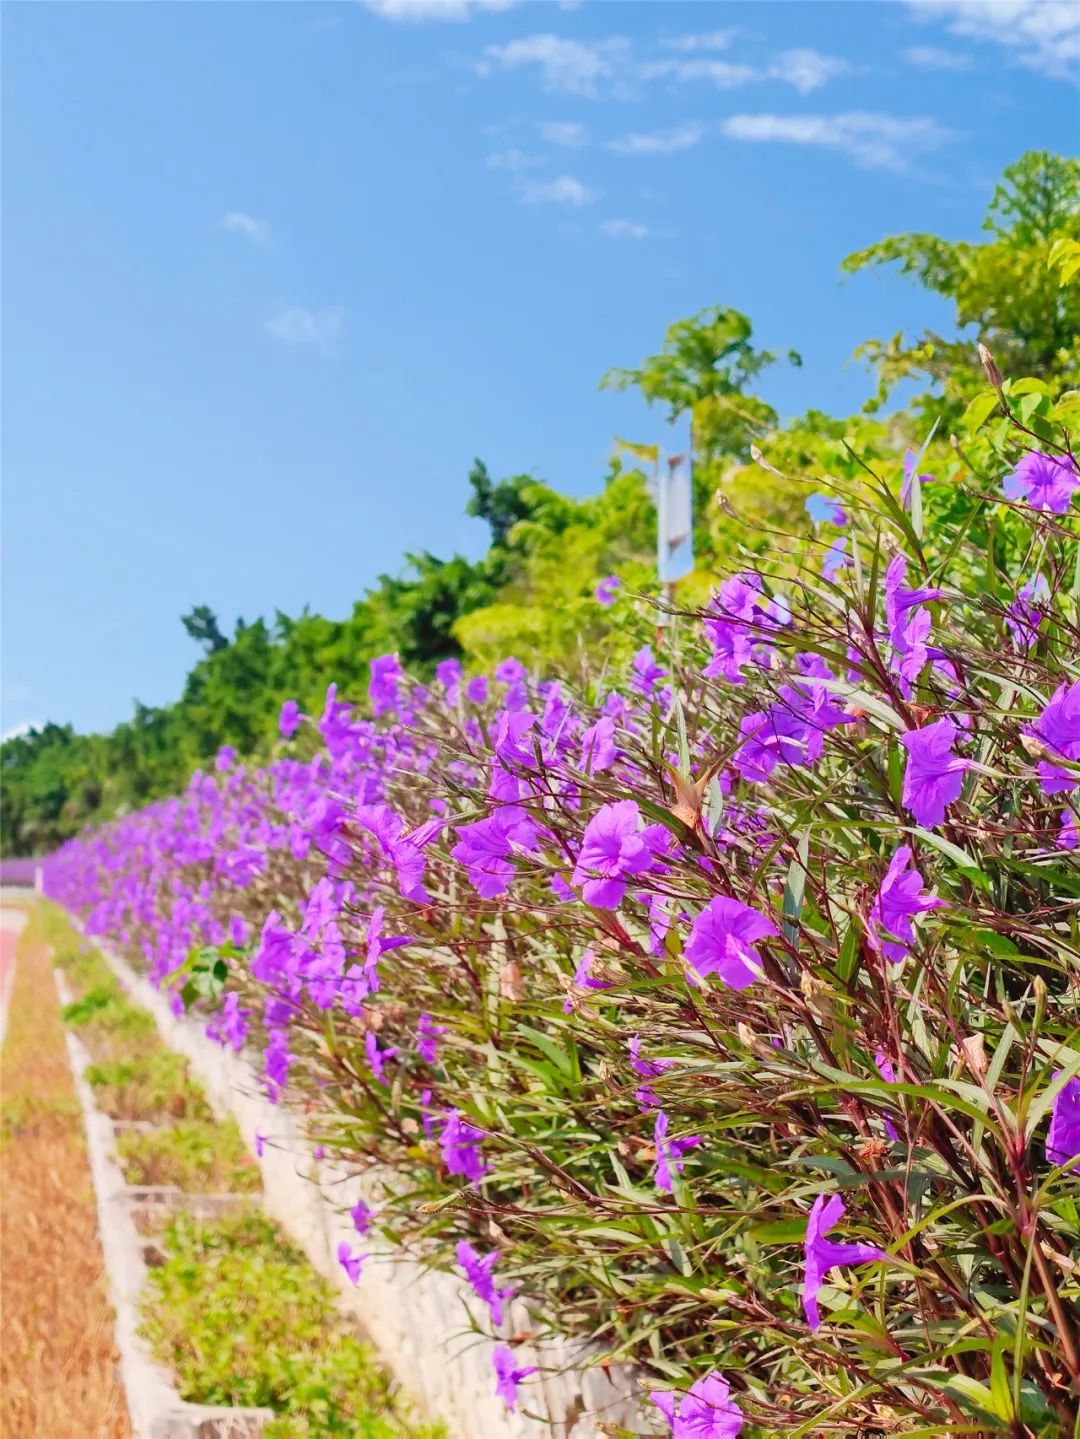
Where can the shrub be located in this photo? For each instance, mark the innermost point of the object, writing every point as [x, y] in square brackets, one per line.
[643, 990]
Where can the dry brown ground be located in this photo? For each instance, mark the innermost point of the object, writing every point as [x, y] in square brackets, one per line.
[58, 1371]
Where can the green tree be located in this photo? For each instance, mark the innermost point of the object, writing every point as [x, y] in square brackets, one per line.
[704, 368]
[202, 625]
[1005, 291]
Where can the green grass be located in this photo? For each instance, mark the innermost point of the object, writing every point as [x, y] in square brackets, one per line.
[241, 1318]
[196, 1156]
[155, 1087]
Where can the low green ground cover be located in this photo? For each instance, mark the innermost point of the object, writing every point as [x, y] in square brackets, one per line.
[197, 1156]
[241, 1318]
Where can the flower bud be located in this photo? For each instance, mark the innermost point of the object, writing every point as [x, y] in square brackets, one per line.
[989, 364]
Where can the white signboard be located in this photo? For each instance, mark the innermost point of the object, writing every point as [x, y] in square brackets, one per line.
[675, 520]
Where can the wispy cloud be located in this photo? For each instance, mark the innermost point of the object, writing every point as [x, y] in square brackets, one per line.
[417, 11]
[253, 229]
[806, 70]
[933, 57]
[624, 230]
[658, 142]
[318, 329]
[722, 73]
[562, 190]
[873, 140]
[572, 66]
[706, 40]
[1043, 34]
[512, 159]
[563, 132]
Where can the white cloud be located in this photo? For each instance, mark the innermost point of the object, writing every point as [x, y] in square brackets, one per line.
[933, 57]
[420, 10]
[257, 231]
[1044, 34]
[568, 65]
[20, 730]
[723, 74]
[807, 70]
[511, 159]
[803, 70]
[625, 230]
[296, 325]
[563, 132]
[658, 142]
[873, 140]
[708, 40]
[563, 190]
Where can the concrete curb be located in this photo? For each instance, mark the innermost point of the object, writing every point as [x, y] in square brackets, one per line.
[413, 1314]
[154, 1407]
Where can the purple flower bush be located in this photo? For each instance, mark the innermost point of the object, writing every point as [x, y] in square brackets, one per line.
[734, 994]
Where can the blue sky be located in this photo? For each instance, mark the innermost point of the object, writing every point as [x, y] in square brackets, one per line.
[274, 274]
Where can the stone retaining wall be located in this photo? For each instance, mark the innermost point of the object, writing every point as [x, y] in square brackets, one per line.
[413, 1315]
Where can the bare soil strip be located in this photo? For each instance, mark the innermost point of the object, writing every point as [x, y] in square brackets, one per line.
[58, 1370]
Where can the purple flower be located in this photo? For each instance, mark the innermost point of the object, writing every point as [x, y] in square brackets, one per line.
[460, 1144]
[383, 690]
[448, 673]
[909, 479]
[908, 623]
[598, 746]
[899, 899]
[1068, 834]
[823, 1254]
[476, 689]
[289, 719]
[226, 758]
[614, 847]
[1023, 617]
[669, 1152]
[1063, 1141]
[647, 674]
[507, 1378]
[427, 1035]
[1045, 482]
[260, 1143]
[824, 510]
[771, 737]
[486, 848]
[1058, 728]
[933, 775]
[361, 1217]
[741, 617]
[479, 1273]
[705, 1411]
[647, 1068]
[722, 942]
[607, 589]
[511, 738]
[230, 1027]
[510, 671]
[583, 980]
[350, 1262]
[835, 559]
[377, 1057]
